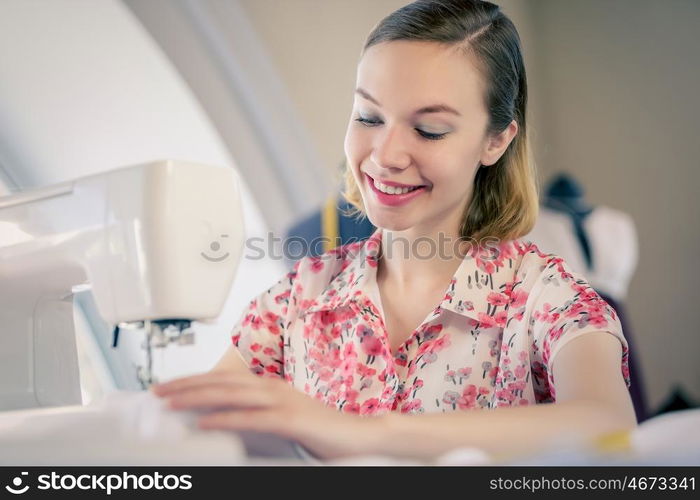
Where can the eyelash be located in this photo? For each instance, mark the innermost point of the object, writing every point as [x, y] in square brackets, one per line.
[425, 135]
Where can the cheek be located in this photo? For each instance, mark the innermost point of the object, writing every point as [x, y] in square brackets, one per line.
[453, 164]
[356, 150]
[453, 180]
[347, 142]
[353, 144]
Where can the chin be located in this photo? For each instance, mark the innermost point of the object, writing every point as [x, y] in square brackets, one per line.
[390, 223]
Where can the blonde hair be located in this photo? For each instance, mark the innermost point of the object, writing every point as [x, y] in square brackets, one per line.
[504, 202]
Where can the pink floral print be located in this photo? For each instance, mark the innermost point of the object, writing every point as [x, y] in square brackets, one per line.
[489, 343]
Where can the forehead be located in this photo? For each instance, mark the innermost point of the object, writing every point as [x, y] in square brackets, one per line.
[408, 74]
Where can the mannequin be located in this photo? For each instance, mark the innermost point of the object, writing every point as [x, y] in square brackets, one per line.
[599, 242]
[565, 195]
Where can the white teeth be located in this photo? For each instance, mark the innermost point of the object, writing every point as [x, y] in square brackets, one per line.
[391, 189]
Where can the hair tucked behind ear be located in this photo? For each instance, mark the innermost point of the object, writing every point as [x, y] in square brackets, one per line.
[504, 202]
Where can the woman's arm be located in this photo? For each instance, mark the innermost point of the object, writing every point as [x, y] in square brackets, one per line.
[592, 399]
[231, 361]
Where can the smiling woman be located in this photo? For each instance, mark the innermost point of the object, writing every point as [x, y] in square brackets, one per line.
[450, 348]
[473, 104]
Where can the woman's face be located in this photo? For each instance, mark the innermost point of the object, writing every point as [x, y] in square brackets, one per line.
[439, 149]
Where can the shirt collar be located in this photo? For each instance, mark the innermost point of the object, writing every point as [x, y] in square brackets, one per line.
[482, 282]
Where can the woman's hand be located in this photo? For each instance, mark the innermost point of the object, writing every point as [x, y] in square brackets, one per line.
[241, 401]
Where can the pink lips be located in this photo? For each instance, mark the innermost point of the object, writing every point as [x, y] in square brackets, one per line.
[395, 184]
[394, 199]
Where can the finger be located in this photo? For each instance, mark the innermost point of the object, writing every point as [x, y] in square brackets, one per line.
[220, 396]
[200, 380]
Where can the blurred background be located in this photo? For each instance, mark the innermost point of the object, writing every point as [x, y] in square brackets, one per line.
[265, 86]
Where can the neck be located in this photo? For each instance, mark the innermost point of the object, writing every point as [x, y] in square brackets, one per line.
[418, 261]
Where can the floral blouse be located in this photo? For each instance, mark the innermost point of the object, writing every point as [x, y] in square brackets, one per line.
[489, 343]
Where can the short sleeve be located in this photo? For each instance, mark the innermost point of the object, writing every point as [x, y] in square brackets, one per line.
[259, 333]
[565, 308]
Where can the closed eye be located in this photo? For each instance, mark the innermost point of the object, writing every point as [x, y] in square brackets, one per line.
[423, 133]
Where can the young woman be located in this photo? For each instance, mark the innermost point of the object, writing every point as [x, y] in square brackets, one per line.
[443, 329]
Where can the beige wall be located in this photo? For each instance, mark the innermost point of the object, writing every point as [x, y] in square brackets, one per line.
[621, 80]
[613, 100]
[316, 47]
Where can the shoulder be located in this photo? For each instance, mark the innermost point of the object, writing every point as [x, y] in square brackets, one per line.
[560, 296]
[322, 268]
[550, 282]
[311, 275]
[537, 267]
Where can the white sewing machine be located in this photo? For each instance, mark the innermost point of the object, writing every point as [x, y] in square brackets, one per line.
[158, 244]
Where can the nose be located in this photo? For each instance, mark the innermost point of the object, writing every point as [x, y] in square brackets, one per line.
[390, 150]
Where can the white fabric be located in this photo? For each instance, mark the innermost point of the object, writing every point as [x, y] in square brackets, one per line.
[132, 428]
[613, 242]
[669, 433]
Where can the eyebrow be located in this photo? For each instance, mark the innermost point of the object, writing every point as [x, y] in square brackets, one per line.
[435, 108]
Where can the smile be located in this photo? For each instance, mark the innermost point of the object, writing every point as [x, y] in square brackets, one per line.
[394, 195]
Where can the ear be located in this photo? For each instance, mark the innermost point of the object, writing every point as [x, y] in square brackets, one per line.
[497, 145]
